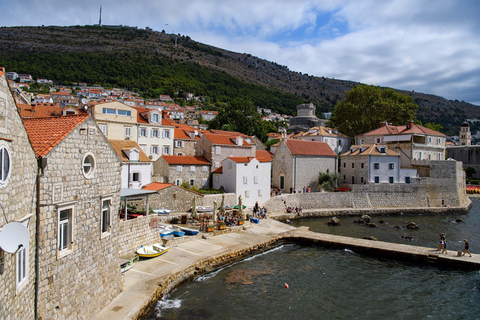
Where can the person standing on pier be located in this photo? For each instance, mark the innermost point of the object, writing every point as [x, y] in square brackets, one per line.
[466, 247]
[444, 250]
[442, 241]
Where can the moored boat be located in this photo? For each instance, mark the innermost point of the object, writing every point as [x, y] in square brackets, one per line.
[128, 263]
[162, 211]
[152, 250]
[188, 231]
[178, 233]
[204, 209]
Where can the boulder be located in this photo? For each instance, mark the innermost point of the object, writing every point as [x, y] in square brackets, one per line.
[371, 225]
[333, 221]
[381, 221]
[412, 225]
[365, 218]
[370, 238]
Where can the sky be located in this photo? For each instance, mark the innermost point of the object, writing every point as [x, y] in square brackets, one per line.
[428, 46]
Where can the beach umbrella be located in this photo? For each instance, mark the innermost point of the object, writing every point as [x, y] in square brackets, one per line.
[194, 207]
[222, 205]
[214, 215]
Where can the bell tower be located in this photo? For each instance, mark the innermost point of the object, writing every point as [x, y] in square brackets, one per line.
[465, 134]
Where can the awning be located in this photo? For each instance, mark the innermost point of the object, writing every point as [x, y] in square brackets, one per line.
[125, 192]
[405, 137]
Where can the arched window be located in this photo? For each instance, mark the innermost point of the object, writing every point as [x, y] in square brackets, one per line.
[88, 165]
[4, 164]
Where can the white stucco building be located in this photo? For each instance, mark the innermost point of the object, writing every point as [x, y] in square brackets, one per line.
[248, 177]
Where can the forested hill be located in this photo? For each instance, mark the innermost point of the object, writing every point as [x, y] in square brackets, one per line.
[159, 63]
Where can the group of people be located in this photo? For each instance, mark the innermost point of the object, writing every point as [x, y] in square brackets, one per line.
[259, 212]
[443, 245]
[305, 190]
[297, 210]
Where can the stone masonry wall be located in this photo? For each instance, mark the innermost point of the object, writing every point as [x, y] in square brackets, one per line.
[78, 282]
[137, 232]
[18, 201]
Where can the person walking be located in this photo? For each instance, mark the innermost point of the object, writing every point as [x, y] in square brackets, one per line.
[465, 249]
[444, 249]
[442, 239]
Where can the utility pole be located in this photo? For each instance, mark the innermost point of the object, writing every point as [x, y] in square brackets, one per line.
[100, 20]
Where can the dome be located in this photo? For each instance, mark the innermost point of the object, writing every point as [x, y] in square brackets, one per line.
[465, 124]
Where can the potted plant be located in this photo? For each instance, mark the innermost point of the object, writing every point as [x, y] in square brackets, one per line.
[222, 225]
[210, 228]
[241, 221]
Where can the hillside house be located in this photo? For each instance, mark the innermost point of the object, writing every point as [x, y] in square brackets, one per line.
[339, 142]
[298, 163]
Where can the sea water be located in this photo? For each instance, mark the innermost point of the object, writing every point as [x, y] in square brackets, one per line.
[339, 284]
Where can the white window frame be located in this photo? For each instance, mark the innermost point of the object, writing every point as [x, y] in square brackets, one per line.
[138, 177]
[192, 168]
[88, 161]
[259, 192]
[21, 267]
[166, 134]
[178, 182]
[108, 111]
[245, 179]
[127, 113]
[255, 179]
[128, 131]
[62, 252]
[154, 117]
[166, 149]
[154, 149]
[247, 194]
[154, 133]
[103, 128]
[106, 212]
[5, 164]
[179, 168]
[204, 169]
[218, 150]
[143, 132]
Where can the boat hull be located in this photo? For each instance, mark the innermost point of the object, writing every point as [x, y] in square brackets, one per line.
[189, 232]
[152, 251]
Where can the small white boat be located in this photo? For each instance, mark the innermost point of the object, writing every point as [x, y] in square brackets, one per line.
[162, 211]
[128, 263]
[203, 209]
[166, 231]
[152, 250]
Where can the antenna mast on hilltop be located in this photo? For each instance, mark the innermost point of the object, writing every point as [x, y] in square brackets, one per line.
[100, 20]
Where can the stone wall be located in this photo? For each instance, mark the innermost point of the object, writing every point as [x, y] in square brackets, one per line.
[18, 202]
[230, 199]
[134, 233]
[79, 281]
[173, 197]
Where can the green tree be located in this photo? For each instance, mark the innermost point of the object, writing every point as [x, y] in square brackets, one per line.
[327, 181]
[434, 126]
[469, 171]
[365, 107]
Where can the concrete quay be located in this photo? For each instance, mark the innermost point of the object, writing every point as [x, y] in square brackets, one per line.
[149, 280]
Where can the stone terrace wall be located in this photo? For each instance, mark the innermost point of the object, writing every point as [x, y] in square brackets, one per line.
[132, 234]
[230, 199]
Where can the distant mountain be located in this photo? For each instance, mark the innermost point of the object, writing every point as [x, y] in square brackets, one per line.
[158, 62]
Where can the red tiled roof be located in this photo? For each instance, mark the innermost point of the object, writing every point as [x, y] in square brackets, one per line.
[46, 133]
[42, 110]
[218, 170]
[241, 159]
[229, 133]
[403, 129]
[223, 139]
[264, 155]
[371, 149]
[309, 148]
[187, 160]
[156, 186]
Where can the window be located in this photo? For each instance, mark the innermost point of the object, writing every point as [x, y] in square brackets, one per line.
[166, 133]
[5, 164]
[217, 164]
[154, 117]
[362, 141]
[154, 133]
[166, 150]
[247, 194]
[376, 166]
[391, 166]
[154, 149]
[377, 179]
[143, 132]
[192, 182]
[378, 140]
[178, 182]
[124, 113]
[108, 111]
[217, 150]
[106, 215]
[353, 180]
[344, 178]
[229, 165]
[88, 166]
[390, 179]
[204, 168]
[136, 176]
[344, 164]
[361, 165]
[439, 141]
[65, 230]
[179, 144]
[361, 179]
[179, 168]
[21, 266]
[128, 131]
[259, 193]
[353, 165]
[192, 168]
[245, 180]
[429, 139]
[382, 149]
[407, 179]
[103, 128]
[255, 180]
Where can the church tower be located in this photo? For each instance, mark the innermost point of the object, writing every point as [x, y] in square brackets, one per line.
[465, 134]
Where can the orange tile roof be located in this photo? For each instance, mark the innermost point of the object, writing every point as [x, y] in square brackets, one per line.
[119, 145]
[264, 155]
[43, 110]
[156, 186]
[403, 129]
[229, 133]
[223, 139]
[309, 148]
[370, 149]
[187, 160]
[241, 159]
[46, 133]
[218, 170]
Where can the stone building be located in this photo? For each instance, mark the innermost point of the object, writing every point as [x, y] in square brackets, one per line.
[186, 138]
[18, 172]
[297, 164]
[305, 118]
[469, 156]
[373, 164]
[195, 170]
[217, 147]
[413, 142]
[339, 142]
[79, 270]
[170, 196]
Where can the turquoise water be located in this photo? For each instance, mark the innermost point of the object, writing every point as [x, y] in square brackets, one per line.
[335, 284]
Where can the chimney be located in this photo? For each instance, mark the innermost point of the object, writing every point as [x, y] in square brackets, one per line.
[410, 124]
[383, 123]
[239, 141]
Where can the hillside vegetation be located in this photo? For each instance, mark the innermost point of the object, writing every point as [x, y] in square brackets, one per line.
[155, 62]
